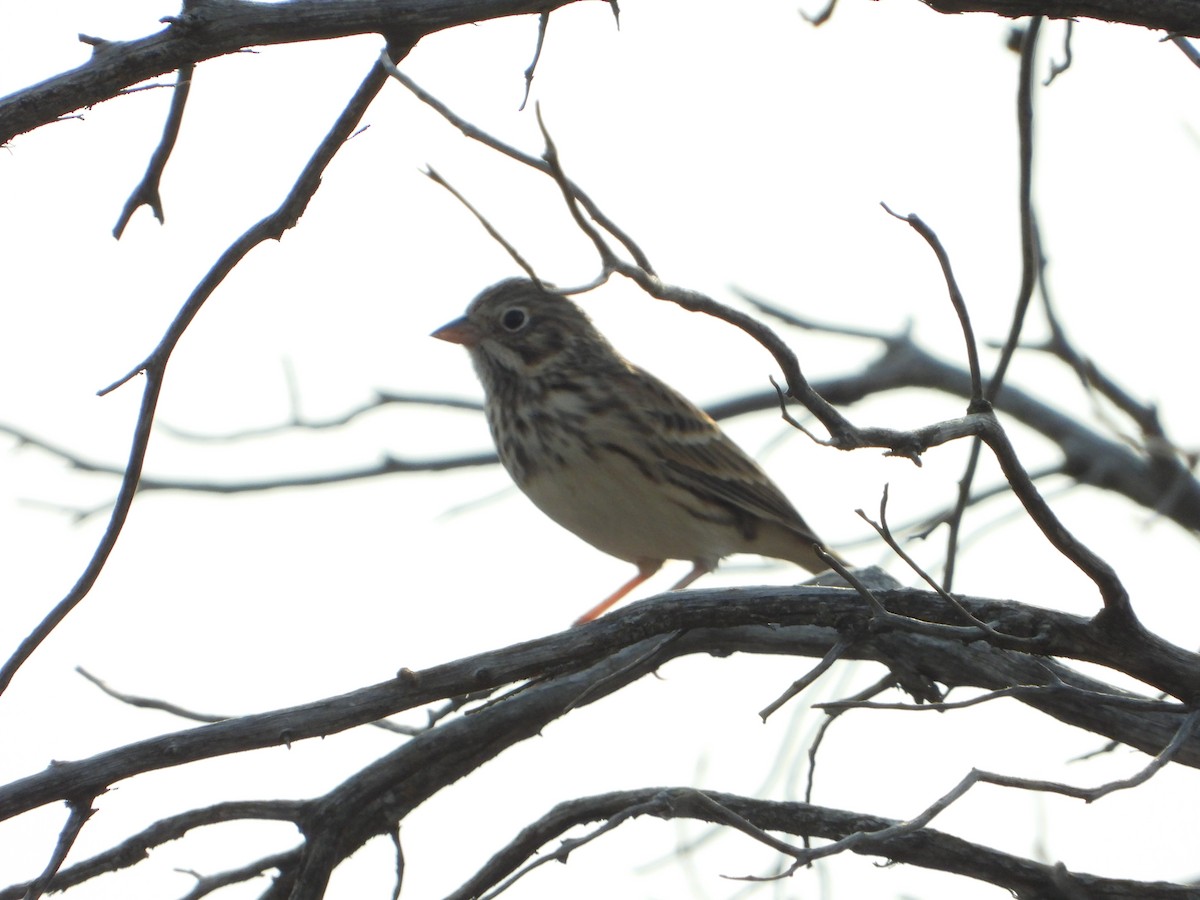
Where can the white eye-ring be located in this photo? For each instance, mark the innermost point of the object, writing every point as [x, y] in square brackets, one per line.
[514, 318]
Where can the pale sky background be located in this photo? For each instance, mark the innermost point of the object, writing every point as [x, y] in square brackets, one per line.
[741, 149]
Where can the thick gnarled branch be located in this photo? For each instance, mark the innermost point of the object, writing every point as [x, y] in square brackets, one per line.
[795, 621]
[583, 665]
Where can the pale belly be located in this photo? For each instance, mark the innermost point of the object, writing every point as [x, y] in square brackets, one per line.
[615, 508]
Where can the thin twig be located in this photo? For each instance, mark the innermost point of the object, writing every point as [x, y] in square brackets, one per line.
[570, 845]
[80, 811]
[956, 300]
[1029, 260]
[1057, 68]
[116, 521]
[147, 191]
[395, 835]
[840, 429]
[835, 653]
[1112, 592]
[1141, 704]
[1187, 47]
[831, 713]
[636, 662]
[194, 716]
[884, 531]
[867, 839]
[491, 229]
[298, 422]
[477, 134]
[210, 884]
[1029, 249]
[150, 702]
[543, 24]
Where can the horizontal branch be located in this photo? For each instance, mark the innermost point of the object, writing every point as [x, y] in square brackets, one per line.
[1089, 457]
[389, 465]
[298, 422]
[799, 620]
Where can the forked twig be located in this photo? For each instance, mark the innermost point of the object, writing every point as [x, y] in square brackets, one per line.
[477, 134]
[884, 531]
[80, 811]
[147, 191]
[835, 653]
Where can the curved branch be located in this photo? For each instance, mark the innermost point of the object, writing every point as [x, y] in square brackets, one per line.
[888, 838]
[116, 522]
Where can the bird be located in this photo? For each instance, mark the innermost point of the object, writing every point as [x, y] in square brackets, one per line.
[612, 453]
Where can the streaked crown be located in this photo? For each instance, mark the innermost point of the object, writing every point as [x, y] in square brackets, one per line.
[517, 329]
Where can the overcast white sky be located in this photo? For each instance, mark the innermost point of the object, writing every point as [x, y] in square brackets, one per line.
[741, 149]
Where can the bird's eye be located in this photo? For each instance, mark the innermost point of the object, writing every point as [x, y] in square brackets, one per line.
[514, 319]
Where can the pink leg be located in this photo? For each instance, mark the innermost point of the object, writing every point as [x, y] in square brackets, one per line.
[645, 570]
[699, 568]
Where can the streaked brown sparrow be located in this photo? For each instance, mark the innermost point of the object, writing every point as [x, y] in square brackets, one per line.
[610, 452]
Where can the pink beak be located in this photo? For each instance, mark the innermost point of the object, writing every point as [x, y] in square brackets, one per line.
[460, 331]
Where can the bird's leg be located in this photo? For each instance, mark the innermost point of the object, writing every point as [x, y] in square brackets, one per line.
[646, 568]
[700, 567]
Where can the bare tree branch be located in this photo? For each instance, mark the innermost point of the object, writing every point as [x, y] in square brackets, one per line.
[1089, 457]
[147, 191]
[956, 300]
[298, 422]
[585, 664]
[804, 621]
[212, 28]
[543, 24]
[80, 811]
[477, 134]
[137, 847]
[1186, 47]
[154, 366]
[872, 835]
[928, 643]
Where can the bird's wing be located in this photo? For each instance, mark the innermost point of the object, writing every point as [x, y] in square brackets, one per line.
[695, 454]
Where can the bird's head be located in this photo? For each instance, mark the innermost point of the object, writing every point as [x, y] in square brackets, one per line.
[519, 329]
